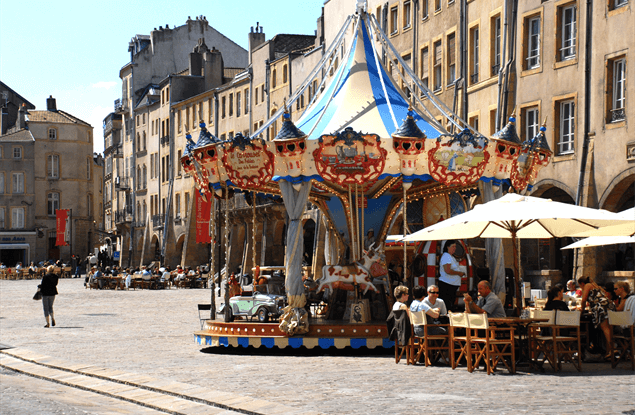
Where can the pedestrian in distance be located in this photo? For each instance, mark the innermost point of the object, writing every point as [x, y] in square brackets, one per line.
[48, 288]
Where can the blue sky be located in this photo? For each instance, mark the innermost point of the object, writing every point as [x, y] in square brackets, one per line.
[73, 50]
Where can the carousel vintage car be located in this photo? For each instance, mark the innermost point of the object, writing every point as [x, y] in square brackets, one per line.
[260, 305]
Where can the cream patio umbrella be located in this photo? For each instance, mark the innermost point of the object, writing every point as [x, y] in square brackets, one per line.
[515, 216]
[600, 241]
[624, 233]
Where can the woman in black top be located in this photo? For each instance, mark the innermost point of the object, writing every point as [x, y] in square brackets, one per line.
[554, 300]
[48, 288]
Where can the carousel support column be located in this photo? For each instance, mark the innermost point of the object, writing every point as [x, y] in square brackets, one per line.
[226, 284]
[516, 252]
[360, 248]
[363, 229]
[294, 320]
[405, 227]
[352, 227]
[212, 233]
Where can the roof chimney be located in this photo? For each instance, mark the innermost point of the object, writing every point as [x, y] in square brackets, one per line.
[50, 104]
[22, 117]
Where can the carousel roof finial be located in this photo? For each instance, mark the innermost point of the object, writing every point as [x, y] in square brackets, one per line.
[409, 127]
[508, 132]
[205, 137]
[190, 143]
[288, 131]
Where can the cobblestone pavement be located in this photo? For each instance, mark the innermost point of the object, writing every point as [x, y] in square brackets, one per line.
[151, 333]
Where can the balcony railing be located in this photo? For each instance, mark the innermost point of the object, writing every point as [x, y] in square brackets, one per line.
[122, 183]
[157, 221]
[120, 104]
[139, 224]
[124, 215]
[618, 115]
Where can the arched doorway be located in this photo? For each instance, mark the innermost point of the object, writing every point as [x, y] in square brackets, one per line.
[178, 252]
[619, 196]
[155, 249]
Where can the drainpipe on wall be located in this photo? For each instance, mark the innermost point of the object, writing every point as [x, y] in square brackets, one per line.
[512, 57]
[216, 115]
[501, 70]
[464, 70]
[250, 71]
[415, 36]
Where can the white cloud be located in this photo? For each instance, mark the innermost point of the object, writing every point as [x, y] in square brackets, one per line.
[104, 85]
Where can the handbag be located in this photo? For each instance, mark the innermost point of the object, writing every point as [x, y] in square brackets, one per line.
[38, 295]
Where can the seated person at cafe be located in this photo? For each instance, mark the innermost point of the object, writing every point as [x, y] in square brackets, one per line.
[127, 278]
[627, 298]
[487, 302]
[97, 276]
[555, 300]
[401, 295]
[145, 274]
[432, 311]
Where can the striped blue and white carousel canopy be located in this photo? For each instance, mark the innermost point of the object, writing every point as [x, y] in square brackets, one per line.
[362, 96]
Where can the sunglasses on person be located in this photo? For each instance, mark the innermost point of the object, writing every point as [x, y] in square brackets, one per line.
[433, 292]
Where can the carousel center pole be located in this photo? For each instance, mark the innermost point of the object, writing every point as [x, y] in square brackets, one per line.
[351, 238]
[253, 237]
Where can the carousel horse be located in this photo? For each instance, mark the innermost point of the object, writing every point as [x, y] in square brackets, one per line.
[361, 273]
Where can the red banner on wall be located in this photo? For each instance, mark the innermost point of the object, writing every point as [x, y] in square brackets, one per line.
[203, 209]
[62, 227]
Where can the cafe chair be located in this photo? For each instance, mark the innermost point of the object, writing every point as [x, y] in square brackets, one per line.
[494, 344]
[400, 331]
[203, 318]
[541, 339]
[566, 339]
[460, 336]
[432, 347]
[623, 341]
[540, 303]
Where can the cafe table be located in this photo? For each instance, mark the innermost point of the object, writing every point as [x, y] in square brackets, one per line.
[521, 328]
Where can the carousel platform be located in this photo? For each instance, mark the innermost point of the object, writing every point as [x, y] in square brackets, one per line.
[323, 334]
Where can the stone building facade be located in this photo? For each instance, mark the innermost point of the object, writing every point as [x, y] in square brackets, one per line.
[47, 163]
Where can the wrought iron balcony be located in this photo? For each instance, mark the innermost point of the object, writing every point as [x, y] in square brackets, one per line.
[157, 221]
[122, 183]
[618, 115]
[124, 215]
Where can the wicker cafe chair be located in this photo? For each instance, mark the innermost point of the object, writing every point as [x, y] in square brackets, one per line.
[623, 343]
[496, 346]
[462, 339]
[432, 346]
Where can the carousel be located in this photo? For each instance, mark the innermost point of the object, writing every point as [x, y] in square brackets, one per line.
[372, 161]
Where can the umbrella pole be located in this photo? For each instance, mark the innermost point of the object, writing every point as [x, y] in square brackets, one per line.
[516, 273]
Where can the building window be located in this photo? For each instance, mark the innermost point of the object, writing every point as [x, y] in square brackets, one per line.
[437, 6]
[474, 50]
[88, 168]
[89, 204]
[566, 124]
[17, 152]
[2, 225]
[285, 75]
[231, 105]
[246, 95]
[52, 134]
[496, 44]
[17, 182]
[177, 205]
[394, 20]
[274, 75]
[143, 141]
[179, 165]
[17, 218]
[424, 9]
[567, 31]
[53, 166]
[223, 105]
[438, 59]
[145, 177]
[451, 58]
[407, 14]
[533, 43]
[1, 182]
[530, 120]
[53, 203]
[616, 89]
[473, 121]
[178, 120]
[619, 3]
[425, 66]
[187, 203]
[262, 93]
[238, 103]
[256, 96]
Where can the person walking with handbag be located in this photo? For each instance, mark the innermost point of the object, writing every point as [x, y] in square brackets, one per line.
[48, 288]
